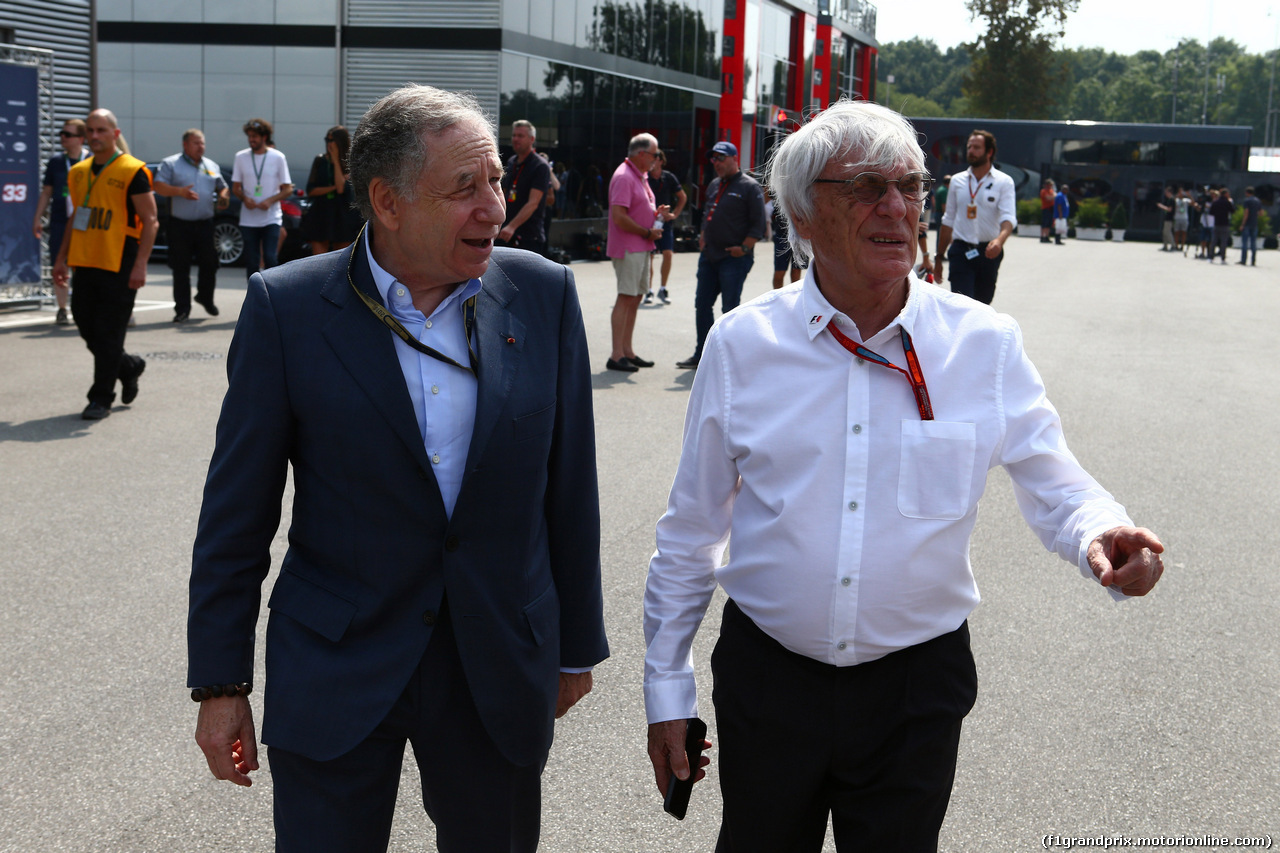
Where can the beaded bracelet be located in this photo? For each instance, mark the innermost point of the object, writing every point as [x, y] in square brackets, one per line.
[214, 691]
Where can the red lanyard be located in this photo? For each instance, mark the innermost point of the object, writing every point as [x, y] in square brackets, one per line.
[715, 205]
[914, 375]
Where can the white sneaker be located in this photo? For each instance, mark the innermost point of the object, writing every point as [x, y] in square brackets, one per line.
[662, 294]
[648, 298]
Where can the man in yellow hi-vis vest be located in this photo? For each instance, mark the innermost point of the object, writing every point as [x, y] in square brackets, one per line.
[108, 244]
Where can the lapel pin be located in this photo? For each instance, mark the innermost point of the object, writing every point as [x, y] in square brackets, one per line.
[511, 340]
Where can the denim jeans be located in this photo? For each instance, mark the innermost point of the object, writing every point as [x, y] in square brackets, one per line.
[260, 244]
[1248, 243]
[723, 278]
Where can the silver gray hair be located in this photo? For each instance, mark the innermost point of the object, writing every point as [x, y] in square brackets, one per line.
[641, 142]
[527, 125]
[393, 139]
[859, 134]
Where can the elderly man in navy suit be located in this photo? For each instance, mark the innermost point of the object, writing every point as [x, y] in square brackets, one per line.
[442, 583]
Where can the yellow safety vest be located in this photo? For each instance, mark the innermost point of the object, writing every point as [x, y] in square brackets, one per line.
[101, 245]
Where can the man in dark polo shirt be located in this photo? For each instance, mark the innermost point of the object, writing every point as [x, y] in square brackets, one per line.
[524, 184]
[732, 224]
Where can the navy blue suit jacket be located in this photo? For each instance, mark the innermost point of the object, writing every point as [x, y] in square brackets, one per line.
[314, 382]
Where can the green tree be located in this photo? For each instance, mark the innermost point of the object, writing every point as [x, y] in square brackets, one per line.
[1016, 72]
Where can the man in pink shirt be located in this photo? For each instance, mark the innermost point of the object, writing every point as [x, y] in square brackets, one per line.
[634, 225]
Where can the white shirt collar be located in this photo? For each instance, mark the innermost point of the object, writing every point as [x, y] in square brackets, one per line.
[818, 312]
[384, 280]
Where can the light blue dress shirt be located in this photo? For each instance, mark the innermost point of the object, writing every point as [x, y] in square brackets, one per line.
[444, 396]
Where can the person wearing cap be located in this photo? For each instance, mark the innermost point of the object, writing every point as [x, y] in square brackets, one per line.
[732, 223]
[837, 442]
[260, 179]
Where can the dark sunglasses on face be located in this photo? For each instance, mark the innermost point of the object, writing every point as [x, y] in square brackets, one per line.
[66, 134]
[870, 187]
[328, 139]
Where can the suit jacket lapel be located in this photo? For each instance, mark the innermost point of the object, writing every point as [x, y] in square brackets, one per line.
[367, 349]
[500, 338]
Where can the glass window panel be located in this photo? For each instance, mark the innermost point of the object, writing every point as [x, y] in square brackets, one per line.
[586, 27]
[566, 14]
[751, 58]
[541, 20]
[515, 15]
[513, 97]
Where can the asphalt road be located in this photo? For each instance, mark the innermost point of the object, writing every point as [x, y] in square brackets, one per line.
[1156, 717]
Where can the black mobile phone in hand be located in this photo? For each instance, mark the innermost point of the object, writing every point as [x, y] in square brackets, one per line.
[676, 803]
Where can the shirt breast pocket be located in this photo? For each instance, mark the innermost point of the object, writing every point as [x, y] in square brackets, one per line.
[936, 473]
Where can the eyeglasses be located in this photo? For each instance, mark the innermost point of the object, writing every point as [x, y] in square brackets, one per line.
[66, 134]
[870, 187]
[716, 158]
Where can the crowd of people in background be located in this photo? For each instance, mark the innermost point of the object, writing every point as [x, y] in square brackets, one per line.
[1203, 218]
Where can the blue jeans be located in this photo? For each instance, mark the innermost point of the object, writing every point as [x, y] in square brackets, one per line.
[260, 244]
[1248, 243]
[723, 278]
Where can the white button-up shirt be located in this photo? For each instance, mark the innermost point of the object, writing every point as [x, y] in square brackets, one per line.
[850, 516]
[995, 198]
[444, 396]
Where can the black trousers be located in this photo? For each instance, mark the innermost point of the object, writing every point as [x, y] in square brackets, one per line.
[478, 801]
[101, 302]
[871, 746]
[192, 241]
[974, 277]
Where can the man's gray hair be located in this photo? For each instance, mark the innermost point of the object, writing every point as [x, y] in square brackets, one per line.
[641, 142]
[527, 125]
[858, 134]
[192, 131]
[393, 138]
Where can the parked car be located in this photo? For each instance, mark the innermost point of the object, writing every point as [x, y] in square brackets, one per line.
[226, 228]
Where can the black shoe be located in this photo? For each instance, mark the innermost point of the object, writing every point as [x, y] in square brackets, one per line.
[61, 319]
[95, 412]
[182, 317]
[624, 364]
[638, 361]
[690, 363]
[207, 305]
[129, 384]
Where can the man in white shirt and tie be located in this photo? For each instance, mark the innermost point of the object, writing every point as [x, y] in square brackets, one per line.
[843, 669]
[981, 212]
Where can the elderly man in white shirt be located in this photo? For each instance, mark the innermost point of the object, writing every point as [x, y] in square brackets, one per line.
[843, 668]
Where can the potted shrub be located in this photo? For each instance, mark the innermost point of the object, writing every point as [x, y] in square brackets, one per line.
[1091, 219]
[1119, 222]
[1266, 237]
[1029, 217]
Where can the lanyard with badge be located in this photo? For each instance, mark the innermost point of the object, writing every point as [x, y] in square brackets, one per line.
[257, 172]
[468, 320]
[913, 372]
[81, 222]
[515, 180]
[972, 211]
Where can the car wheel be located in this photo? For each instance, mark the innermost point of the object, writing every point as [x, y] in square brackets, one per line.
[229, 243]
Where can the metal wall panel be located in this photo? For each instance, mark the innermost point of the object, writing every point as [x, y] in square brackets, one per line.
[415, 13]
[63, 26]
[369, 74]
